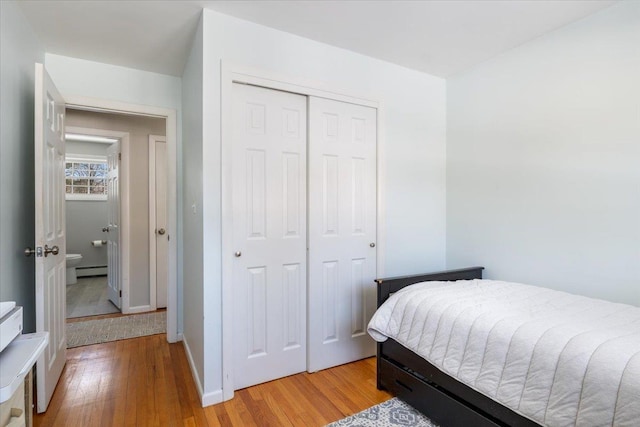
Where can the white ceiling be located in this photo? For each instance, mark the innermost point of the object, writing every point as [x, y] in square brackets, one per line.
[438, 37]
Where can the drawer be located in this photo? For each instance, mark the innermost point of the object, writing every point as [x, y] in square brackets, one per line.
[439, 406]
[17, 418]
[11, 407]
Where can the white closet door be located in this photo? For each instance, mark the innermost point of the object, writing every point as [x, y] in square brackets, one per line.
[342, 231]
[269, 234]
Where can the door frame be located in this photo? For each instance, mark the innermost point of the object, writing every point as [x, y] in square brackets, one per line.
[153, 261]
[170, 116]
[234, 73]
[124, 203]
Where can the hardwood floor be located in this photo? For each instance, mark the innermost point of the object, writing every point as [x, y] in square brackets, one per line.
[147, 382]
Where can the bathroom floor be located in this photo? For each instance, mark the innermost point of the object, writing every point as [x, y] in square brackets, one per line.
[89, 297]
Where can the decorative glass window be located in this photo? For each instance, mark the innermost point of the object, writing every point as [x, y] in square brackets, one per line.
[86, 178]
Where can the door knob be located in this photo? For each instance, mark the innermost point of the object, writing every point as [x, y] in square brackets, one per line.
[162, 231]
[105, 230]
[37, 251]
[238, 254]
[53, 250]
[372, 245]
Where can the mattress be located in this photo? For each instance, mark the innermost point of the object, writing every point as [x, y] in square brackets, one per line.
[556, 358]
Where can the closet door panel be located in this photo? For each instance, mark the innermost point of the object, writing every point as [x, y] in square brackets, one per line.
[342, 231]
[269, 234]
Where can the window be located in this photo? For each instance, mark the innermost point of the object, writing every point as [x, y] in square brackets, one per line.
[86, 178]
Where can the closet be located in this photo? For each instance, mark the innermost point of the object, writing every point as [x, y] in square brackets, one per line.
[304, 232]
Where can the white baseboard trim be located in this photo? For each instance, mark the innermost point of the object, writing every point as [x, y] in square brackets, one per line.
[194, 372]
[91, 271]
[206, 399]
[139, 309]
[212, 398]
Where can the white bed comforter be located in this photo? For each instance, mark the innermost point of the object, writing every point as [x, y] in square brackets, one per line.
[556, 358]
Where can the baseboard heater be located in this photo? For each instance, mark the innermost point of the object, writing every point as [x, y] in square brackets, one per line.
[98, 270]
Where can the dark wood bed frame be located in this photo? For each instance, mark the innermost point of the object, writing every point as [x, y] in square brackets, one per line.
[443, 399]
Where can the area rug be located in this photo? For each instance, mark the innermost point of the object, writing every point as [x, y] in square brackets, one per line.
[393, 412]
[115, 328]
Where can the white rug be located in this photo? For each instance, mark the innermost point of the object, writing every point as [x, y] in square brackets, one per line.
[115, 328]
[393, 412]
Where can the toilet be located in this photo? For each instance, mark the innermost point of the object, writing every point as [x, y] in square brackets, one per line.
[73, 260]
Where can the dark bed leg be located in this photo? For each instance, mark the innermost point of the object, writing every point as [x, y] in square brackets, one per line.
[379, 352]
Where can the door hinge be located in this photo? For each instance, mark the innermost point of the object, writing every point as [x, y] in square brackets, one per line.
[120, 293]
[119, 156]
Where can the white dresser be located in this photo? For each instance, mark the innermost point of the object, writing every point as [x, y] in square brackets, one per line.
[18, 354]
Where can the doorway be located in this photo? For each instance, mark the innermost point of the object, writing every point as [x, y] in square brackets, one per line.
[91, 210]
[108, 225]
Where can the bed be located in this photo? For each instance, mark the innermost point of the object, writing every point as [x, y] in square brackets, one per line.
[472, 352]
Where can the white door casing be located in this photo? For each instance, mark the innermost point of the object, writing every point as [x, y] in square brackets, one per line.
[50, 233]
[158, 230]
[342, 231]
[113, 229]
[269, 234]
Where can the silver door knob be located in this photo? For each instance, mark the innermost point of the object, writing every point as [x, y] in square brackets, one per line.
[53, 250]
[372, 245]
[162, 231]
[105, 230]
[29, 252]
[238, 254]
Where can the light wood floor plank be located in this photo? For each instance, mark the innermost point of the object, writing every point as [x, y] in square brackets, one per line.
[147, 382]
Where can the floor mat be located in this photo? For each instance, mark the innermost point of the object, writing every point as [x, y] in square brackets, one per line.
[115, 328]
[393, 412]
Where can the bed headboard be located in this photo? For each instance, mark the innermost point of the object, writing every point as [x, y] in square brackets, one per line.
[394, 284]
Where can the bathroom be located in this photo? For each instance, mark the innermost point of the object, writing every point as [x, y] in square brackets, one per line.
[86, 216]
[92, 274]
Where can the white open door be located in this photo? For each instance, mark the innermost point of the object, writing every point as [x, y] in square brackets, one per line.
[159, 239]
[113, 224]
[342, 231]
[50, 233]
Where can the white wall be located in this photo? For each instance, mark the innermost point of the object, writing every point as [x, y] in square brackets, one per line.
[414, 150]
[193, 334]
[19, 51]
[543, 160]
[78, 77]
[85, 219]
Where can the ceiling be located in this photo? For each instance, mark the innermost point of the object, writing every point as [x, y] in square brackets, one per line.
[441, 38]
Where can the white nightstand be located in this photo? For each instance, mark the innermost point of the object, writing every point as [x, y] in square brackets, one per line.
[16, 362]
